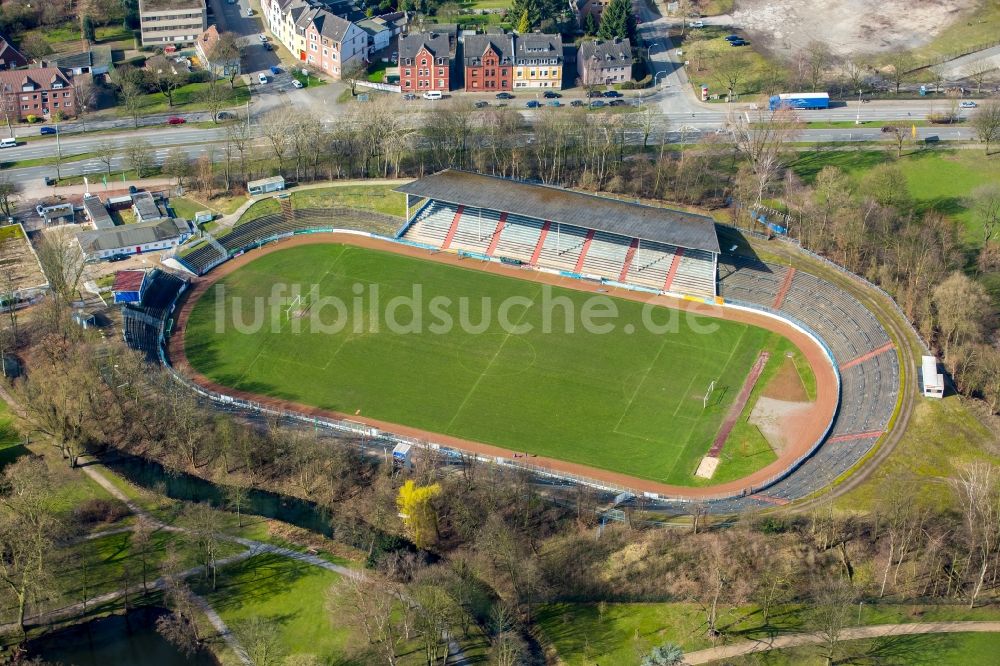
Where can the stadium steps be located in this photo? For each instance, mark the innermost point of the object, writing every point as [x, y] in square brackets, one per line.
[518, 238]
[606, 255]
[695, 274]
[562, 247]
[651, 264]
[474, 230]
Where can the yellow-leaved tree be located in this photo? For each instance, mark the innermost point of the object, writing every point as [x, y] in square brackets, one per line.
[417, 511]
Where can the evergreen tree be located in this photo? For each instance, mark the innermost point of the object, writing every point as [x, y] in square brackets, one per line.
[529, 7]
[87, 28]
[617, 21]
[590, 26]
[524, 25]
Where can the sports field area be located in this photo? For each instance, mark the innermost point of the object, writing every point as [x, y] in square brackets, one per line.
[628, 400]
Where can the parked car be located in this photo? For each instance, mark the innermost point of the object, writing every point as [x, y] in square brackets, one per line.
[733, 38]
[47, 130]
[40, 209]
[409, 97]
[613, 94]
[504, 95]
[888, 128]
[118, 257]
[175, 120]
[553, 102]
[268, 47]
[597, 103]
[394, 58]
[275, 70]
[50, 181]
[297, 84]
[249, 12]
[262, 37]
[594, 93]
[576, 102]
[738, 42]
[262, 78]
[481, 104]
[533, 104]
[696, 24]
[616, 102]
[968, 105]
[224, 115]
[432, 95]
[551, 94]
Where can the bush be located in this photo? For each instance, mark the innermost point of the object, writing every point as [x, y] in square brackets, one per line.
[100, 511]
[200, 76]
[32, 119]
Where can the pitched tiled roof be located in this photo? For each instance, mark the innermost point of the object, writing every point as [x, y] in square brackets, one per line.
[614, 53]
[476, 46]
[128, 280]
[42, 78]
[435, 42]
[538, 46]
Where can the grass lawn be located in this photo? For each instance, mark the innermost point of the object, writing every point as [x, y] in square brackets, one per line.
[378, 198]
[376, 73]
[261, 208]
[307, 80]
[937, 179]
[188, 98]
[711, 55]
[628, 400]
[186, 208]
[587, 634]
[291, 593]
[941, 436]
[976, 27]
[10, 441]
[966, 649]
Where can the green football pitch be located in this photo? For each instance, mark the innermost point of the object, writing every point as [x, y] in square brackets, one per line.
[628, 400]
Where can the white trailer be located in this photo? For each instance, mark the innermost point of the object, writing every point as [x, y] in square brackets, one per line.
[933, 380]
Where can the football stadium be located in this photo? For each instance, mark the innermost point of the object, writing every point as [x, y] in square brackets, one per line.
[574, 335]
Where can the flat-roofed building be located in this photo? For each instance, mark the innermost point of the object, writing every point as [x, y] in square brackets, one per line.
[172, 22]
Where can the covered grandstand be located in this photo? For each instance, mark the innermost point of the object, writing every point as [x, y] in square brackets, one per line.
[656, 249]
[143, 321]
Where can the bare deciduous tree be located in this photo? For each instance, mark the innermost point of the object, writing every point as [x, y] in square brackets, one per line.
[977, 489]
[760, 135]
[986, 122]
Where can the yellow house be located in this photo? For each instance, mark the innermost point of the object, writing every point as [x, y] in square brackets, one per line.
[538, 61]
[280, 17]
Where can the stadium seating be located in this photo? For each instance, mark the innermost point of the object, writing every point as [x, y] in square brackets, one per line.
[518, 238]
[475, 230]
[606, 255]
[433, 223]
[651, 264]
[203, 258]
[695, 274]
[562, 247]
[141, 322]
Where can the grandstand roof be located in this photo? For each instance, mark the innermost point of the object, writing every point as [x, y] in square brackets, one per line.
[542, 202]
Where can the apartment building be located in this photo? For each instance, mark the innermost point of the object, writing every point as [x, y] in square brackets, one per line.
[36, 92]
[315, 35]
[489, 62]
[538, 61]
[425, 62]
[604, 62]
[171, 22]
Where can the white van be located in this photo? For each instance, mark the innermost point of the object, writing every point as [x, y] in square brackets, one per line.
[433, 94]
[8, 143]
[262, 78]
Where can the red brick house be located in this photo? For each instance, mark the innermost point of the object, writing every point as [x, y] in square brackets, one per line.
[424, 62]
[10, 58]
[36, 92]
[489, 62]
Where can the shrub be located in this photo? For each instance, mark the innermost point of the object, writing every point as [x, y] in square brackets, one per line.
[32, 119]
[200, 76]
[100, 511]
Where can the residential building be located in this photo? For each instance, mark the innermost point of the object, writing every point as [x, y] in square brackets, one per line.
[10, 57]
[585, 8]
[171, 22]
[315, 35]
[538, 61]
[206, 45]
[36, 92]
[425, 62]
[134, 238]
[332, 44]
[145, 207]
[604, 62]
[489, 62]
[379, 33]
[96, 61]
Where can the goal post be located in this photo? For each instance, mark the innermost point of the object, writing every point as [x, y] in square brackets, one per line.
[708, 395]
[295, 302]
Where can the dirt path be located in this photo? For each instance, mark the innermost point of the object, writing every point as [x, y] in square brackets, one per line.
[800, 438]
[854, 633]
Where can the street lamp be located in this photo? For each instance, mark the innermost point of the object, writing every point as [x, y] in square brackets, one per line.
[658, 75]
[857, 120]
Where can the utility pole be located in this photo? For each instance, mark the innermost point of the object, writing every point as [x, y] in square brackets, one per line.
[58, 153]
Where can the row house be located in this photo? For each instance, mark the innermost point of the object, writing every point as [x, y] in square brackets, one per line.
[332, 44]
[538, 61]
[604, 62]
[489, 62]
[425, 62]
[39, 92]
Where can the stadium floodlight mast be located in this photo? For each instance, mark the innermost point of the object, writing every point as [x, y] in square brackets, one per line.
[708, 394]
